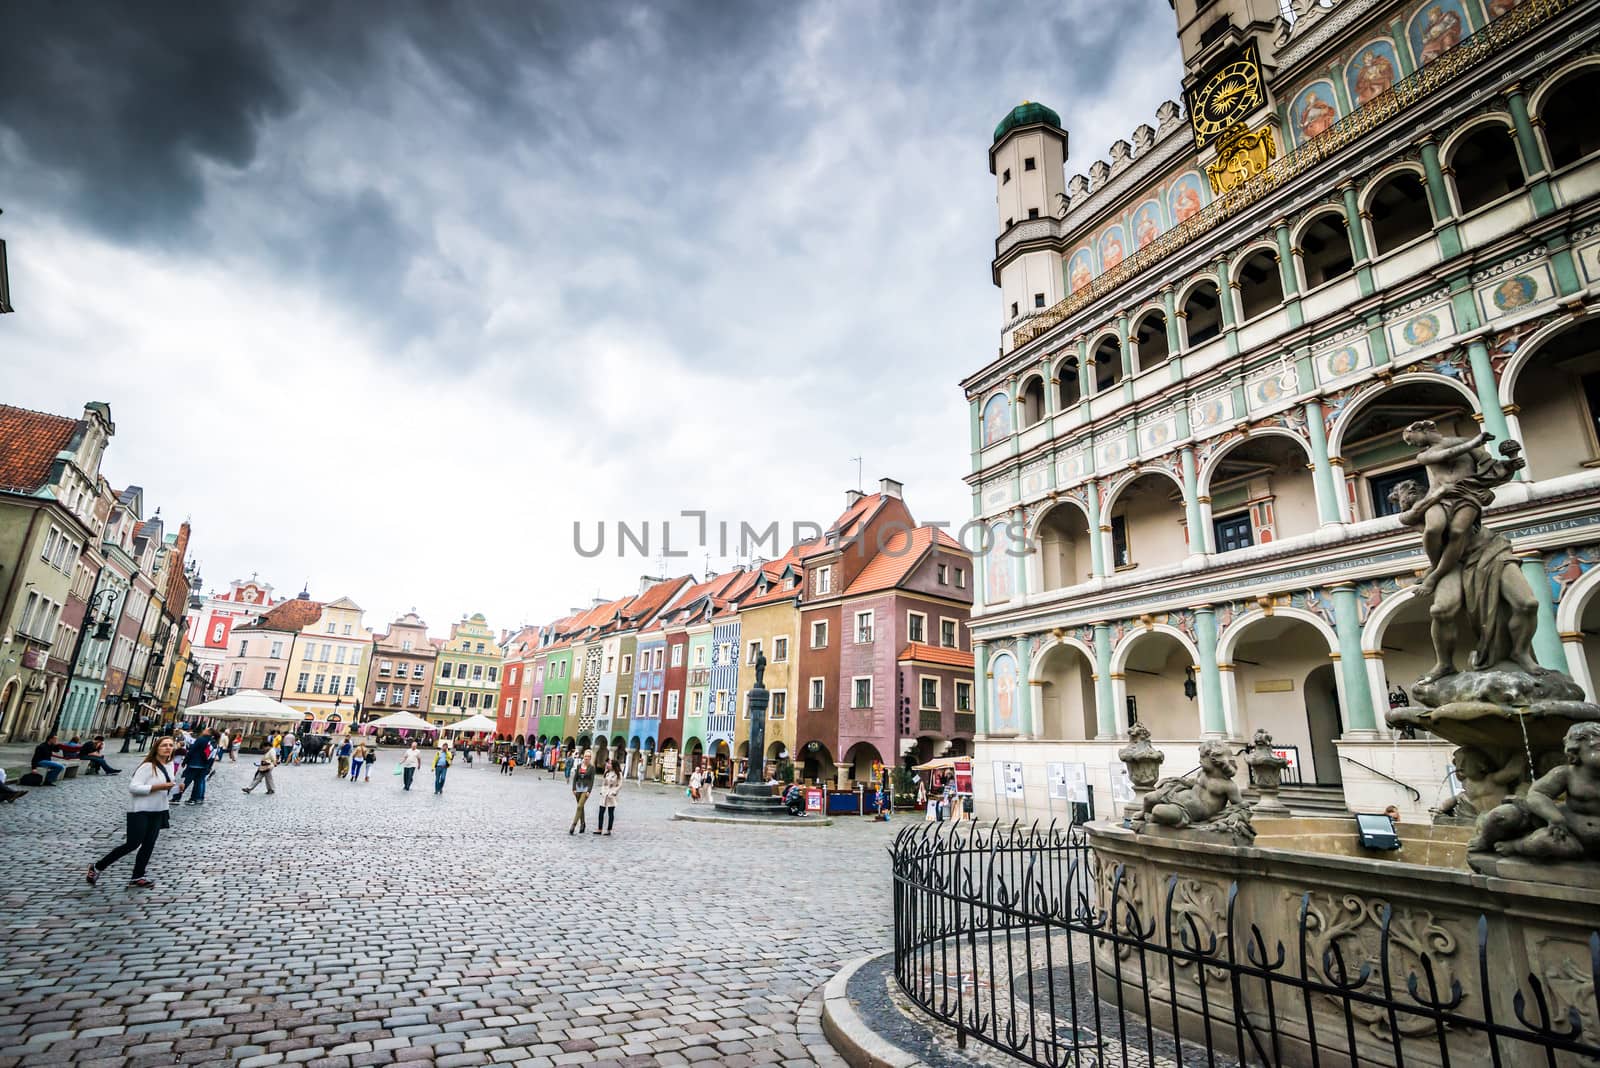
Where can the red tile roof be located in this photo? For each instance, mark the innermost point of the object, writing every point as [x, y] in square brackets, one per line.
[293, 614]
[900, 555]
[29, 442]
[936, 654]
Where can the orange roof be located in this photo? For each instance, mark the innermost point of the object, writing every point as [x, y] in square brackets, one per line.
[297, 613]
[29, 442]
[899, 557]
[652, 600]
[936, 654]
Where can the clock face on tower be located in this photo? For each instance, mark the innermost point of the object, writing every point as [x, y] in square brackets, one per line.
[1225, 96]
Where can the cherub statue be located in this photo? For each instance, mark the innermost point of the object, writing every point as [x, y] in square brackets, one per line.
[1537, 824]
[1461, 481]
[1484, 784]
[1188, 802]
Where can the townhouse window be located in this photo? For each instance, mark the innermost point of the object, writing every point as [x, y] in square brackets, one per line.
[824, 580]
[277, 651]
[672, 705]
[416, 696]
[610, 660]
[944, 574]
[50, 541]
[677, 656]
[864, 627]
[382, 693]
[963, 696]
[961, 578]
[440, 698]
[327, 653]
[479, 648]
[444, 671]
[627, 664]
[494, 674]
[244, 648]
[333, 685]
[699, 702]
[1005, 176]
[270, 682]
[780, 650]
[347, 627]
[916, 626]
[349, 685]
[755, 651]
[818, 691]
[947, 634]
[930, 693]
[1015, 308]
[656, 661]
[861, 692]
[700, 656]
[238, 677]
[605, 706]
[513, 679]
[417, 671]
[332, 628]
[722, 703]
[405, 646]
[355, 657]
[322, 681]
[477, 672]
[622, 707]
[780, 704]
[305, 680]
[457, 698]
[819, 634]
[1038, 298]
[1233, 532]
[472, 699]
[461, 671]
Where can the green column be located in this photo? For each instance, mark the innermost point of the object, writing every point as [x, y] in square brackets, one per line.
[1097, 548]
[1321, 468]
[977, 433]
[1544, 200]
[1439, 198]
[1198, 542]
[1546, 640]
[1025, 723]
[1352, 665]
[1224, 292]
[980, 685]
[1213, 722]
[1085, 374]
[1286, 271]
[1105, 696]
[1352, 222]
[1483, 383]
[1126, 353]
[1169, 304]
[1019, 565]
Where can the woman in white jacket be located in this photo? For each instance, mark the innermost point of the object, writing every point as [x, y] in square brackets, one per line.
[147, 813]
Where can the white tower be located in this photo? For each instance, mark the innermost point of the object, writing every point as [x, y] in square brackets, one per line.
[1028, 160]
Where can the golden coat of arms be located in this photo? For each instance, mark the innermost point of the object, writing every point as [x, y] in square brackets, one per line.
[1241, 155]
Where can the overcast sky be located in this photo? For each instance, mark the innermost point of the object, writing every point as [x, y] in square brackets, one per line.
[386, 297]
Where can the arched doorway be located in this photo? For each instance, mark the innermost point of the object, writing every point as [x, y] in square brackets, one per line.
[720, 758]
[859, 760]
[1155, 665]
[10, 699]
[816, 762]
[1556, 395]
[1402, 638]
[1066, 694]
[1283, 683]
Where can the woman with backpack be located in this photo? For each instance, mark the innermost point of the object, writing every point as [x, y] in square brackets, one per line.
[148, 813]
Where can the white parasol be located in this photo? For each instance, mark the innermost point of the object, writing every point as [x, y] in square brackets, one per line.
[402, 721]
[473, 725]
[245, 705]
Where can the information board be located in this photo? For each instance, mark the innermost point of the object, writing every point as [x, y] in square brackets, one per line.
[1121, 785]
[1013, 772]
[813, 800]
[1055, 777]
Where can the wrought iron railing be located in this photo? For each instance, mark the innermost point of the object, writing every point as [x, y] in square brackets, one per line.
[1444, 68]
[1020, 939]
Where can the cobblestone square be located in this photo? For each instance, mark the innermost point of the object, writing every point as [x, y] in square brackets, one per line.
[355, 924]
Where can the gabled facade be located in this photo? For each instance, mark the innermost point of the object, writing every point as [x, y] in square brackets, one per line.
[328, 665]
[467, 679]
[400, 670]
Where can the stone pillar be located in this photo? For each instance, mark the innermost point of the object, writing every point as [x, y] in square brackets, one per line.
[1097, 546]
[1352, 221]
[1439, 198]
[1487, 389]
[1019, 564]
[1212, 723]
[1026, 726]
[1105, 698]
[1286, 258]
[1085, 373]
[1533, 161]
[1328, 510]
[980, 686]
[1546, 642]
[1578, 663]
[1224, 292]
[1360, 714]
[1126, 353]
[1198, 542]
[1169, 299]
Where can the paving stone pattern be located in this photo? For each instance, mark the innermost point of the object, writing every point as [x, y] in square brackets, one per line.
[343, 925]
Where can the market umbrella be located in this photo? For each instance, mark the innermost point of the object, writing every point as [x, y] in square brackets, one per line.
[402, 721]
[473, 724]
[940, 764]
[245, 705]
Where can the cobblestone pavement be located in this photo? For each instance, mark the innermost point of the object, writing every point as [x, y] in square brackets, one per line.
[355, 924]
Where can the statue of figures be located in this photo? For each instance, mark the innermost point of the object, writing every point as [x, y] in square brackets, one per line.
[1484, 782]
[1475, 569]
[1209, 801]
[1461, 481]
[1537, 825]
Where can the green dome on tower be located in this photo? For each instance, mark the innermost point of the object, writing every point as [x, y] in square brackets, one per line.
[1026, 114]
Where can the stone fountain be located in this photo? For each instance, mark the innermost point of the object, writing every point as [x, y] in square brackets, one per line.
[1527, 737]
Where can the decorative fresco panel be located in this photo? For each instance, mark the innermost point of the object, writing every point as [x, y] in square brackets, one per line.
[997, 569]
[1146, 223]
[1437, 27]
[1072, 467]
[1035, 482]
[1187, 195]
[1421, 329]
[1210, 412]
[1157, 434]
[1006, 705]
[1506, 295]
[1566, 566]
[1112, 246]
[996, 419]
[1270, 388]
[1315, 108]
[996, 495]
[1375, 68]
[1080, 269]
[1110, 452]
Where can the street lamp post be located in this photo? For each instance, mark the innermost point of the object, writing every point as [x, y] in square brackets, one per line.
[102, 632]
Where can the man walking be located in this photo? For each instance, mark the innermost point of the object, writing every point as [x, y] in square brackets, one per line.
[264, 766]
[582, 786]
[441, 766]
[197, 767]
[409, 765]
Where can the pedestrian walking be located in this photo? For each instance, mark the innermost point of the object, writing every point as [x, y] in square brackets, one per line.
[610, 787]
[264, 766]
[147, 813]
[196, 769]
[296, 750]
[696, 781]
[357, 758]
[372, 758]
[582, 786]
[441, 766]
[345, 750]
[409, 764]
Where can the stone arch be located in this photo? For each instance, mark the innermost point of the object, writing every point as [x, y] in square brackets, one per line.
[1540, 105]
[1119, 655]
[1579, 643]
[1317, 266]
[1035, 673]
[1308, 719]
[1482, 178]
[1062, 677]
[1032, 402]
[1038, 518]
[1151, 526]
[1255, 299]
[1548, 408]
[1127, 478]
[1060, 546]
[1193, 331]
[1529, 347]
[1208, 466]
[1069, 387]
[1365, 397]
[1164, 708]
[1396, 223]
[1228, 640]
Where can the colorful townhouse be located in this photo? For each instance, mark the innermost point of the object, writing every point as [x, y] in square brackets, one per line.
[467, 679]
[328, 665]
[102, 586]
[557, 678]
[403, 663]
[769, 624]
[211, 623]
[516, 675]
[649, 681]
[260, 651]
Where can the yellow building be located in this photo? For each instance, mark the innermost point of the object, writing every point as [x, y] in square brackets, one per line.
[466, 679]
[328, 664]
[769, 622]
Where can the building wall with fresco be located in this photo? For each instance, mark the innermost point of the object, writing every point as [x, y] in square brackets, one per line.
[1388, 214]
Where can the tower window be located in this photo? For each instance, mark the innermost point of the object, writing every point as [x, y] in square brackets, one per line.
[1038, 300]
[1013, 309]
[1005, 176]
[1010, 223]
[1028, 164]
[1033, 213]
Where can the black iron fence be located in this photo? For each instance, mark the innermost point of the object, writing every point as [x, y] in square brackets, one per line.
[1018, 938]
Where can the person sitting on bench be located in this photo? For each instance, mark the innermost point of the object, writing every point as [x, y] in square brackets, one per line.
[43, 761]
[95, 753]
[7, 794]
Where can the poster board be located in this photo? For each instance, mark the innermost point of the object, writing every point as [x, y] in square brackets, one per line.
[813, 800]
[1078, 783]
[998, 770]
[1121, 785]
[963, 776]
[1055, 777]
[1013, 783]
[669, 766]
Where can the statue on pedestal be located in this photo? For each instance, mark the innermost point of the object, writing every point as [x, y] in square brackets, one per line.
[1209, 801]
[1143, 762]
[1266, 773]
